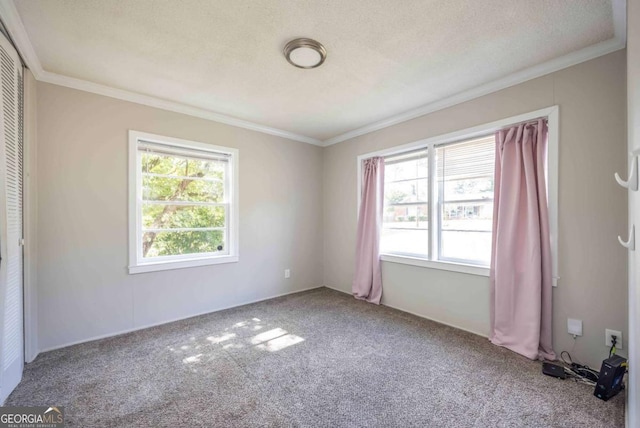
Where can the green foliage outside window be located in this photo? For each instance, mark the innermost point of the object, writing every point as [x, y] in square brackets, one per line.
[173, 178]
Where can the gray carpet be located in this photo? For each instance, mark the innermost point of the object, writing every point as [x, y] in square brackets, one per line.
[313, 359]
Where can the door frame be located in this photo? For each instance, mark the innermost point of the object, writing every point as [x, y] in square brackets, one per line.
[29, 219]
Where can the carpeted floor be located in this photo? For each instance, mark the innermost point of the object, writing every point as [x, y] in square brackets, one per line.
[313, 359]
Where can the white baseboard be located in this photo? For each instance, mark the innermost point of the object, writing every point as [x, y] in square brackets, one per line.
[104, 336]
[131, 330]
[437, 320]
[337, 289]
[28, 358]
[420, 315]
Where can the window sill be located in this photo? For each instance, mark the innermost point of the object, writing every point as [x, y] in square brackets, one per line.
[180, 264]
[431, 264]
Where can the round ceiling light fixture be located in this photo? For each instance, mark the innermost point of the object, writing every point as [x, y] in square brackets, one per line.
[305, 53]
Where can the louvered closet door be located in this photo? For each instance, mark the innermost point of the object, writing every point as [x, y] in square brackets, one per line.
[11, 143]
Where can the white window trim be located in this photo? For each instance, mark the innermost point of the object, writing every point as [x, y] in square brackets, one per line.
[135, 203]
[435, 264]
[552, 114]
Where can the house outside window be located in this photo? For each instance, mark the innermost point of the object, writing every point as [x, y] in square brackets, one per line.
[460, 187]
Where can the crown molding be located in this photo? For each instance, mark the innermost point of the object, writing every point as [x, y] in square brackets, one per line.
[121, 94]
[590, 52]
[18, 33]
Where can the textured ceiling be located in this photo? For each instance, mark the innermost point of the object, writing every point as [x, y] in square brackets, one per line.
[385, 57]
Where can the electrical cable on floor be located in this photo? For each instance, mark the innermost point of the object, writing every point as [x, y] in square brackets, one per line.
[565, 361]
[579, 372]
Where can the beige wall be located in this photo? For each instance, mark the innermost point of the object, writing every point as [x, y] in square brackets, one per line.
[285, 193]
[592, 207]
[84, 290]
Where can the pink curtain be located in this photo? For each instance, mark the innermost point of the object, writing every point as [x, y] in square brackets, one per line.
[367, 281]
[521, 251]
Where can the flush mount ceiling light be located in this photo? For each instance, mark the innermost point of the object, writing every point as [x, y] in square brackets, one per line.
[305, 53]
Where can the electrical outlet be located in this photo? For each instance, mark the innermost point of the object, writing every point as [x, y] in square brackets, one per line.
[287, 274]
[607, 337]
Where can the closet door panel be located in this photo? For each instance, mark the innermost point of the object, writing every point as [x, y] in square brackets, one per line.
[11, 243]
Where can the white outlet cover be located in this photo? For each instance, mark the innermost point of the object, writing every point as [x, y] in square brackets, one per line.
[574, 327]
[607, 338]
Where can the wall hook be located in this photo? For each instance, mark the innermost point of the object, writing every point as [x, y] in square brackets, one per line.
[632, 182]
[631, 242]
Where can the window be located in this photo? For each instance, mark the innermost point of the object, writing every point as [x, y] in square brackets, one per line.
[406, 204]
[183, 203]
[438, 207]
[465, 194]
[459, 185]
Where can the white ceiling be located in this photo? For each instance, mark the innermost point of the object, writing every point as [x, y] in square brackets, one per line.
[385, 57]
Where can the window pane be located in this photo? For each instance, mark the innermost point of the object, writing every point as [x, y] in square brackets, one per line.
[184, 203]
[411, 242]
[406, 216]
[406, 191]
[476, 216]
[406, 209]
[465, 187]
[160, 216]
[397, 168]
[466, 246]
[156, 188]
[178, 243]
[158, 163]
[468, 189]
[162, 164]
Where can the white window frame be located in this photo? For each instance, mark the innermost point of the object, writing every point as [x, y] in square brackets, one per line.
[552, 115]
[136, 262]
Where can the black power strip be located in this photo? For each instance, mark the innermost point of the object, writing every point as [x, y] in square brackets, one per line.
[553, 370]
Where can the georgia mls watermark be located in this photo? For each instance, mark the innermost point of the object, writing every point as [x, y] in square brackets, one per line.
[32, 417]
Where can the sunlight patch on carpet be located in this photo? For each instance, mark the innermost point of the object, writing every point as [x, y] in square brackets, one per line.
[280, 343]
[272, 340]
